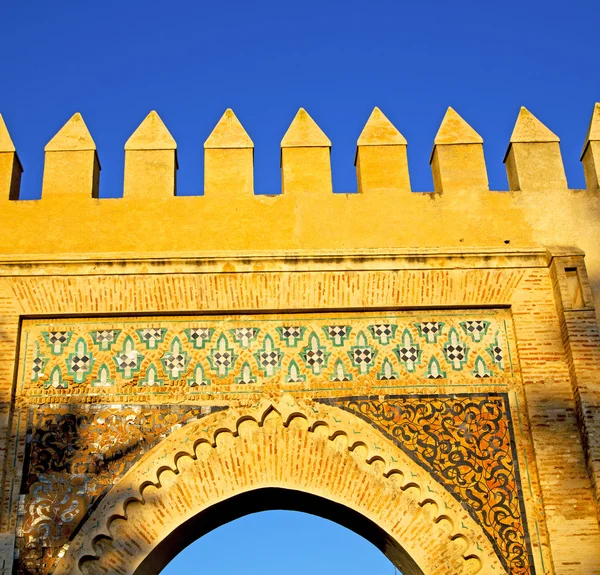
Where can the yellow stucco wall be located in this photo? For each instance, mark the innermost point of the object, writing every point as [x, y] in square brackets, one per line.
[538, 211]
[528, 256]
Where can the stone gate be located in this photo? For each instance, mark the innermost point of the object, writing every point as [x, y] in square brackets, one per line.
[421, 367]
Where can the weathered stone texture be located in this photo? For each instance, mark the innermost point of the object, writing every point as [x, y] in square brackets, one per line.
[422, 368]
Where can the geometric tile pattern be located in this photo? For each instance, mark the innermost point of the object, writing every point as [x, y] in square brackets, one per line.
[194, 353]
[466, 442]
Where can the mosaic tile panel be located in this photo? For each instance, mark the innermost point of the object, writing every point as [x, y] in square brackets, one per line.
[466, 442]
[74, 454]
[160, 355]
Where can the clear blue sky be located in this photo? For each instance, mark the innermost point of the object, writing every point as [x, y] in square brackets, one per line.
[281, 543]
[115, 60]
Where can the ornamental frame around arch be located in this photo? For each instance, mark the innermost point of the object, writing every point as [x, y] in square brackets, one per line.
[541, 397]
[289, 444]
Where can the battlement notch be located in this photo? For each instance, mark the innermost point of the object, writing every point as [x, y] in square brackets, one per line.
[533, 159]
[381, 161]
[305, 157]
[457, 160]
[150, 160]
[591, 152]
[10, 166]
[71, 165]
[229, 159]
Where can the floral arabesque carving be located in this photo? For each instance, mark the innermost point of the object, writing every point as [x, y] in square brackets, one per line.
[115, 526]
[466, 442]
[74, 455]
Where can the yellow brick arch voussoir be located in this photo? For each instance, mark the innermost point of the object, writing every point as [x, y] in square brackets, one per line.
[312, 453]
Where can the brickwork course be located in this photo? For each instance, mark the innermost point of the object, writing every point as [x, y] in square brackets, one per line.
[419, 367]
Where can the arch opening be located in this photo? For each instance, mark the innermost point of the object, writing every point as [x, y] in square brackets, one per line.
[270, 499]
[278, 457]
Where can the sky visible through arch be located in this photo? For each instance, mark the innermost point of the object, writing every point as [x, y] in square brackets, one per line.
[281, 542]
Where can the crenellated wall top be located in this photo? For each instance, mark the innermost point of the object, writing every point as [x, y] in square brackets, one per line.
[461, 212]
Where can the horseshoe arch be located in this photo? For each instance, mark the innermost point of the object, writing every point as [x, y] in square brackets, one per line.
[284, 454]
